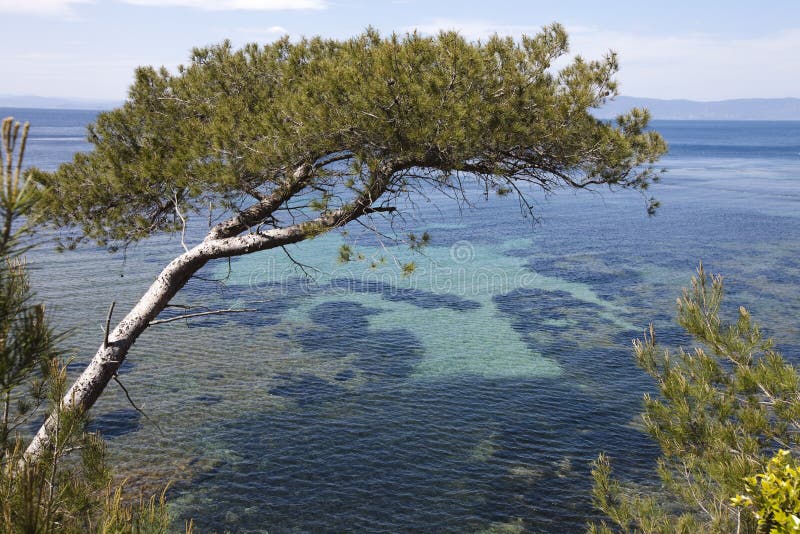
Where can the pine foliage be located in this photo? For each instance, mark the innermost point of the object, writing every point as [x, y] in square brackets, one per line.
[233, 125]
[723, 410]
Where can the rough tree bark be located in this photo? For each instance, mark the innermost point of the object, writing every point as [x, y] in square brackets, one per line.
[226, 239]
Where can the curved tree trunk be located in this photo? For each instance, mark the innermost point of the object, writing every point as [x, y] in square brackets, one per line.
[105, 363]
[223, 241]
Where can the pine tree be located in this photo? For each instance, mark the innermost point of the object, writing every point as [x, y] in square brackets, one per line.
[69, 487]
[289, 140]
[724, 409]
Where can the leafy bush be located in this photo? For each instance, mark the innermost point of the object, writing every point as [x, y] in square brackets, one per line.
[774, 496]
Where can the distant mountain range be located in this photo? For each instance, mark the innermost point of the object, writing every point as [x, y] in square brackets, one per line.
[48, 102]
[772, 109]
[739, 109]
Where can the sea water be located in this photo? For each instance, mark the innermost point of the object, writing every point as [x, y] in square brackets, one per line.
[468, 396]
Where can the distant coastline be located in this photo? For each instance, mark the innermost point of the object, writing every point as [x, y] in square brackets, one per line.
[742, 109]
[765, 109]
[47, 102]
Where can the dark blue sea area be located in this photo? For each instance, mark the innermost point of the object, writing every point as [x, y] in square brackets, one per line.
[470, 397]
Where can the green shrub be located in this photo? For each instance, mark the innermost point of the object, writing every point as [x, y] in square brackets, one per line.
[774, 495]
[722, 411]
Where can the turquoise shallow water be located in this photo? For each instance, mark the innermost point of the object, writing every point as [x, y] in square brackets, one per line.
[470, 395]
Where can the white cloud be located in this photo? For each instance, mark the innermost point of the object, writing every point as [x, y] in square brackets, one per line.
[701, 66]
[694, 66]
[39, 56]
[273, 31]
[40, 7]
[234, 5]
[62, 7]
[473, 29]
[241, 35]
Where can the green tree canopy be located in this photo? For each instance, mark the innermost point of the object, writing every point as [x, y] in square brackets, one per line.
[322, 116]
[288, 140]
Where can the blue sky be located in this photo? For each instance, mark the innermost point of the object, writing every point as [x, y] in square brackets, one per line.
[702, 50]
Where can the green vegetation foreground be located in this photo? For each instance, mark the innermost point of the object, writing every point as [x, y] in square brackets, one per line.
[727, 420]
[69, 487]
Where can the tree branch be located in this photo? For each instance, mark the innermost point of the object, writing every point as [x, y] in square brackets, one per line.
[389, 209]
[256, 213]
[301, 266]
[380, 179]
[199, 314]
[108, 323]
[130, 400]
[183, 221]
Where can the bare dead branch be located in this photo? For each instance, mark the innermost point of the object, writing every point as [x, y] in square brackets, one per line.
[130, 400]
[108, 323]
[217, 280]
[200, 314]
[300, 265]
[183, 221]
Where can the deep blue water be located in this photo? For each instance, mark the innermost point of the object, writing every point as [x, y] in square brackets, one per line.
[471, 396]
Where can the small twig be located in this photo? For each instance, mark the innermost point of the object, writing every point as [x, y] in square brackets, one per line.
[199, 314]
[108, 323]
[183, 306]
[223, 279]
[183, 221]
[130, 400]
[301, 266]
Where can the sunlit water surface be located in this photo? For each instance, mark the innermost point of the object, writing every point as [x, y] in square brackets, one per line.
[472, 395]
